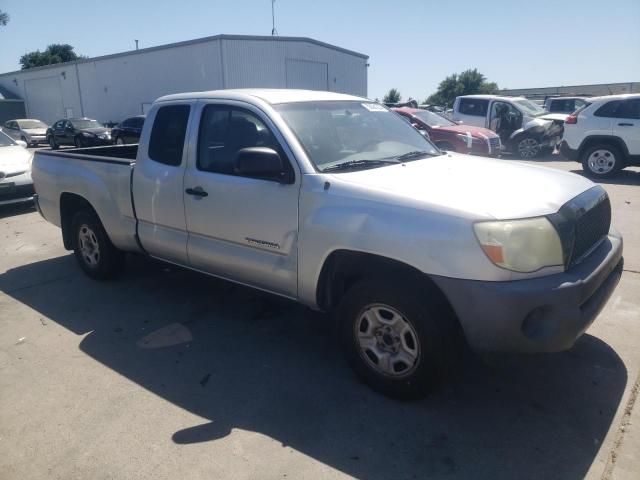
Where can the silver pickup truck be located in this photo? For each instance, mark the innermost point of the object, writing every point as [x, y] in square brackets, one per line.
[336, 202]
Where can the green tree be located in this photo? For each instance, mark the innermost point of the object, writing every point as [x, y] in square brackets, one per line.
[4, 18]
[55, 53]
[468, 82]
[392, 96]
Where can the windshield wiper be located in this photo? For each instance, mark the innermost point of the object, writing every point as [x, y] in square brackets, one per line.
[414, 155]
[358, 163]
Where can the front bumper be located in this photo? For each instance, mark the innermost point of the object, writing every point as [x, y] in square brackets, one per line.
[568, 152]
[15, 193]
[545, 314]
[96, 141]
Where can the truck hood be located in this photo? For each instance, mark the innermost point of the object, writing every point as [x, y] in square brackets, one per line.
[474, 131]
[35, 131]
[561, 117]
[14, 159]
[471, 186]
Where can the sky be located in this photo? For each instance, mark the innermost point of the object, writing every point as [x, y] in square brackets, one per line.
[412, 44]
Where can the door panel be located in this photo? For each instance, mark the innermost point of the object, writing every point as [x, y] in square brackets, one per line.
[158, 185]
[627, 125]
[245, 229]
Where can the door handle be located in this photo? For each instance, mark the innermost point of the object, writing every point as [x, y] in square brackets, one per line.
[625, 124]
[196, 192]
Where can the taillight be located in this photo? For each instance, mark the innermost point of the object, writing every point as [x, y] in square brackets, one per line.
[571, 120]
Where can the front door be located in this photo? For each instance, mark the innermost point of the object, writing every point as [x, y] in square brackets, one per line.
[505, 119]
[158, 190]
[241, 228]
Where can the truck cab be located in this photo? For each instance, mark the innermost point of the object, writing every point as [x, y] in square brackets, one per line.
[525, 128]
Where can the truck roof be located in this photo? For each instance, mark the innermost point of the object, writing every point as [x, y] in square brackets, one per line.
[269, 95]
[491, 97]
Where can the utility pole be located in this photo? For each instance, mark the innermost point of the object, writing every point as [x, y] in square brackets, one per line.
[136, 44]
[274, 32]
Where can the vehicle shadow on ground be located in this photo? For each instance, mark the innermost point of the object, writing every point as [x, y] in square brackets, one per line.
[243, 359]
[16, 209]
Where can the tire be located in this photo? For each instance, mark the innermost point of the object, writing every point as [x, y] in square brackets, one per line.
[408, 345]
[77, 141]
[93, 250]
[119, 141]
[52, 143]
[527, 147]
[446, 146]
[602, 161]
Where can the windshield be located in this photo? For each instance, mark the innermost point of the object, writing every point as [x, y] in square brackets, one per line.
[6, 140]
[86, 124]
[31, 124]
[529, 108]
[335, 132]
[433, 119]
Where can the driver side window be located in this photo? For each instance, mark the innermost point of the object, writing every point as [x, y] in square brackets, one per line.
[224, 131]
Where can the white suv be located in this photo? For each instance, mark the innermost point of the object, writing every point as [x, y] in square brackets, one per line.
[604, 135]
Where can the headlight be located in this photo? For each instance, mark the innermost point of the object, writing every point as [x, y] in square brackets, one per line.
[520, 245]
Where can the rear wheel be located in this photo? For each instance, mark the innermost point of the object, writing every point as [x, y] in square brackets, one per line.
[93, 250]
[602, 161]
[52, 142]
[398, 342]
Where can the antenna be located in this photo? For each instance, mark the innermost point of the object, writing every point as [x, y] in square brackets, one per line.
[136, 44]
[274, 32]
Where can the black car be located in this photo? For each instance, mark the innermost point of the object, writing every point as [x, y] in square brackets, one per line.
[81, 132]
[128, 131]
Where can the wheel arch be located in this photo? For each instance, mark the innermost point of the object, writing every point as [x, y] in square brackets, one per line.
[613, 140]
[343, 268]
[70, 204]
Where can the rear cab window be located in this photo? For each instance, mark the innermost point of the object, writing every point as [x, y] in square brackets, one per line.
[168, 134]
[473, 106]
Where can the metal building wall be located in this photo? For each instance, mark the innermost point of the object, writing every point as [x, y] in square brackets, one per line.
[113, 87]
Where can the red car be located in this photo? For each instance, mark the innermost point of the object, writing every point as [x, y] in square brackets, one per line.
[450, 136]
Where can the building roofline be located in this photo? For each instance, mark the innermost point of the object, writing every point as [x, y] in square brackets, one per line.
[192, 42]
[569, 86]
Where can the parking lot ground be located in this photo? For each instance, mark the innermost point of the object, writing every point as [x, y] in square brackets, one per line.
[165, 373]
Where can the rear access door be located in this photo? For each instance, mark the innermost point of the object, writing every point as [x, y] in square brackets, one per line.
[158, 176]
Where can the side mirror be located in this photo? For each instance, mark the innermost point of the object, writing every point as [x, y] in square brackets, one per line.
[459, 122]
[22, 143]
[260, 162]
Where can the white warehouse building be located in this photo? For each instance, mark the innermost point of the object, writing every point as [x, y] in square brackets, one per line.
[113, 87]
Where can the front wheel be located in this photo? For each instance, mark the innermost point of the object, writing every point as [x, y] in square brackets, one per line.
[602, 161]
[398, 342]
[52, 143]
[528, 148]
[93, 250]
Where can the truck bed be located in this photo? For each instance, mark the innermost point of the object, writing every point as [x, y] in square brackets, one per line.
[100, 175]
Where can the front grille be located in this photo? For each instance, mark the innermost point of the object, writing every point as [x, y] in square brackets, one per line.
[591, 227]
[582, 222]
[494, 142]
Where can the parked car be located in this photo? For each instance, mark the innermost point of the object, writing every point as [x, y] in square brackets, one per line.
[450, 136]
[80, 132]
[128, 131]
[16, 185]
[334, 201]
[525, 129]
[564, 104]
[29, 130]
[604, 135]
